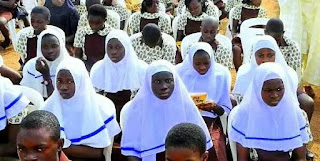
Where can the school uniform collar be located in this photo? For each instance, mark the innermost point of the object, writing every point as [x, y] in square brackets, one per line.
[147, 15]
[250, 6]
[103, 32]
[198, 18]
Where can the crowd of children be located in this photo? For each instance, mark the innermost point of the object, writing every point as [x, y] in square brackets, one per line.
[120, 84]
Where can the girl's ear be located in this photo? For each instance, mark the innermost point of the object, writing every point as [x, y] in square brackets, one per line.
[60, 144]
[205, 156]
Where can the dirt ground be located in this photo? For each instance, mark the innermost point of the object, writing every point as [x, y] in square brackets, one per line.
[11, 59]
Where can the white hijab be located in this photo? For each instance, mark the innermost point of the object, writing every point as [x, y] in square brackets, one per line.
[128, 74]
[12, 102]
[32, 78]
[246, 71]
[257, 125]
[86, 118]
[216, 82]
[147, 119]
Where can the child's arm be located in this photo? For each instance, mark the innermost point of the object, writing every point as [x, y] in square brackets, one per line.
[13, 75]
[299, 154]
[243, 153]
[85, 152]
[10, 147]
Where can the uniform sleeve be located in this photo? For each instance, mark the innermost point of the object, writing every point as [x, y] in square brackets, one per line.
[14, 102]
[262, 13]
[165, 25]
[22, 46]
[170, 53]
[236, 14]
[79, 38]
[182, 22]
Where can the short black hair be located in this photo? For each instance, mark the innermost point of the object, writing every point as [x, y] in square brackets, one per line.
[187, 135]
[151, 33]
[42, 10]
[42, 119]
[246, 1]
[98, 10]
[275, 25]
[203, 6]
[144, 5]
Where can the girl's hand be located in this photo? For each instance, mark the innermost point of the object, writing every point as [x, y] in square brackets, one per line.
[42, 66]
[208, 106]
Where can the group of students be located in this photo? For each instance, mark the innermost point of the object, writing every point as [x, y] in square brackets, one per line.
[103, 88]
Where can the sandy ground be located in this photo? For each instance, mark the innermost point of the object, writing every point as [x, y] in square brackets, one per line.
[11, 59]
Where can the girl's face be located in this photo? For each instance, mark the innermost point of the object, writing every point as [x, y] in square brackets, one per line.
[272, 91]
[265, 55]
[58, 2]
[39, 21]
[65, 84]
[195, 8]
[154, 7]
[162, 84]
[96, 22]
[256, 2]
[201, 62]
[50, 47]
[115, 50]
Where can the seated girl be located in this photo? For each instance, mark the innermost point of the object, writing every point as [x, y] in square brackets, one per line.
[113, 5]
[211, 8]
[120, 72]
[248, 9]
[88, 122]
[152, 44]
[190, 21]
[265, 49]
[89, 42]
[161, 103]
[149, 14]
[112, 19]
[38, 72]
[201, 74]
[12, 110]
[269, 119]
[27, 42]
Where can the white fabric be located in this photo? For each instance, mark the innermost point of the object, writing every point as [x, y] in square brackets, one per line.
[12, 101]
[246, 71]
[195, 37]
[147, 119]
[85, 118]
[291, 17]
[257, 125]
[128, 74]
[31, 77]
[215, 82]
[30, 29]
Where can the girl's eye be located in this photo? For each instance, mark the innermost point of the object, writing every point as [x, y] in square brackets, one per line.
[168, 80]
[280, 89]
[41, 149]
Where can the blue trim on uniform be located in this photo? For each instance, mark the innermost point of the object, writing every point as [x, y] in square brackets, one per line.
[140, 152]
[14, 102]
[266, 139]
[305, 126]
[1, 118]
[75, 140]
[38, 75]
